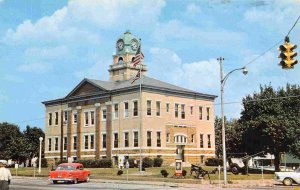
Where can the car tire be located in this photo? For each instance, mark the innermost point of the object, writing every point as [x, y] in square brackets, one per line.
[75, 181]
[235, 169]
[287, 182]
[54, 182]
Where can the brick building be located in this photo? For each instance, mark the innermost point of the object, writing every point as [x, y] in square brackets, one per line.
[118, 118]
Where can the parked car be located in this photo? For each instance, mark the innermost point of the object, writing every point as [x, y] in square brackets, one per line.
[69, 172]
[288, 178]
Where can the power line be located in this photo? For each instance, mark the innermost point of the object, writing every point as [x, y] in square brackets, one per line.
[293, 26]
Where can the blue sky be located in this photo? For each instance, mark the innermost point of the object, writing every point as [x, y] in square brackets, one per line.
[47, 47]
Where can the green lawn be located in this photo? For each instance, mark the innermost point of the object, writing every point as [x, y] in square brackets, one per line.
[152, 174]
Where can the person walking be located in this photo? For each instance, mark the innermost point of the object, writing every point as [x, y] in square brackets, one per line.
[5, 177]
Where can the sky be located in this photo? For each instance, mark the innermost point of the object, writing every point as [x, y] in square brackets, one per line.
[47, 47]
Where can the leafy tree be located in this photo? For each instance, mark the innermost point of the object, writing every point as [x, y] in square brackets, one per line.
[270, 120]
[9, 141]
[233, 133]
[32, 136]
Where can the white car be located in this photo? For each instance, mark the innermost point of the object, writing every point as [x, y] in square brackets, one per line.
[288, 178]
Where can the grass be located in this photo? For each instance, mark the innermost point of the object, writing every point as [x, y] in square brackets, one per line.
[152, 174]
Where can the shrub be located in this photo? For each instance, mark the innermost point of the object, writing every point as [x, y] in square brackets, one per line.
[120, 172]
[157, 162]
[183, 173]
[44, 163]
[214, 162]
[147, 162]
[103, 163]
[164, 173]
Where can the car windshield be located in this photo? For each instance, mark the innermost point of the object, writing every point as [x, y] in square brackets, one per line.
[65, 168]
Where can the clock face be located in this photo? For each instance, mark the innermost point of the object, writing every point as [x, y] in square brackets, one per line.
[120, 44]
[134, 44]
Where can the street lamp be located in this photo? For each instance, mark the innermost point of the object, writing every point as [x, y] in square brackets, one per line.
[223, 81]
[40, 156]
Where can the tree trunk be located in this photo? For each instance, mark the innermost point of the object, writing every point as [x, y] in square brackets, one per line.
[277, 161]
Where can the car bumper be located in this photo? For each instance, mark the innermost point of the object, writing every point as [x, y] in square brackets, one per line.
[61, 179]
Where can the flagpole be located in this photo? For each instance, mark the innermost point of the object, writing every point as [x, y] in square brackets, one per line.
[141, 113]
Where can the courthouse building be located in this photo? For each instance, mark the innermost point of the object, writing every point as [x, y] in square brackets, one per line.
[118, 118]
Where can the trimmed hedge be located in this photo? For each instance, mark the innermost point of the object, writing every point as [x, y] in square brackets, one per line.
[147, 162]
[157, 162]
[214, 162]
[103, 163]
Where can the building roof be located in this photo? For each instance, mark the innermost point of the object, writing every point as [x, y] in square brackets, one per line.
[148, 84]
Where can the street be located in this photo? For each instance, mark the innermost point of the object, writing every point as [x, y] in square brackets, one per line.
[33, 184]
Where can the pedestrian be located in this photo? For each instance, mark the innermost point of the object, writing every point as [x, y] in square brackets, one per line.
[5, 177]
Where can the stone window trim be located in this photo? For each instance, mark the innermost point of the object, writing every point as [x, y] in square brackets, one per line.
[158, 108]
[56, 143]
[149, 138]
[65, 117]
[135, 141]
[200, 112]
[74, 142]
[56, 118]
[103, 140]
[104, 114]
[168, 107]
[208, 110]
[116, 113]
[49, 144]
[74, 117]
[50, 115]
[149, 107]
[209, 142]
[126, 140]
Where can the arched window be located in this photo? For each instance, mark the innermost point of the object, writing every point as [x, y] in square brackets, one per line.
[120, 60]
[132, 59]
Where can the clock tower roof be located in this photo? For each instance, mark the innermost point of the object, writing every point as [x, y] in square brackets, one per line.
[127, 43]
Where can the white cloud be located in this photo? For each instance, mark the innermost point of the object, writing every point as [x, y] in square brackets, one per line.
[38, 68]
[95, 71]
[176, 30]
[47, 52]
[13, 78]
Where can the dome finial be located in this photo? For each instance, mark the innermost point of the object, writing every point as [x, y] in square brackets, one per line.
[127, 32]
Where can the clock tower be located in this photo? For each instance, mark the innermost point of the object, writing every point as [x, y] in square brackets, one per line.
[122, 67]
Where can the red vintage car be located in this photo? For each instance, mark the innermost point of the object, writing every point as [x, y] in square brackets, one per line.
[69, 172]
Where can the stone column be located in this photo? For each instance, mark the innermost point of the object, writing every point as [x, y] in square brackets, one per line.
[79, 127]
[108, 130]
[98, 130]
[69, 133]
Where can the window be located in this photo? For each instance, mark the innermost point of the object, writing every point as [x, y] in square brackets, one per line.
[193, 138]
[86, 142]
[207, 113]
[135, 108]
[167, 107]
[49, 144]
[148, 107]
[56, 143]
[176, 110]
[182, 111]
[157, 108]
[192, 110]
[50, 119]
[103, 140]
[135, 139]
[168, 137]
[201, 141]
[200, 112]
[148, 138]
[126, 139]
[158, 139]
[92, 118]
[180, 139]
[74, 143]
[56, 118]
[104, 115]
[116, 113]
[74, 118]
[65, 143]
[126, 109]
[92, 143]
[116, 140]
[65, 117]
[208, 141]
[86, 118]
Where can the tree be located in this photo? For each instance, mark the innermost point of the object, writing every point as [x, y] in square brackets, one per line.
[32, 136]
[9, 141]
[233, 134]
[270, 120]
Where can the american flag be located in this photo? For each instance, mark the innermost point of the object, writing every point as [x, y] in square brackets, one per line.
[138, 57]
[137, 76]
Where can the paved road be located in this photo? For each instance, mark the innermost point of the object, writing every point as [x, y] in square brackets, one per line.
[34, 184]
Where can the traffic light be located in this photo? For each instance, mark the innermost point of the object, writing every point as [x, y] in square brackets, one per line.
[287, 55]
